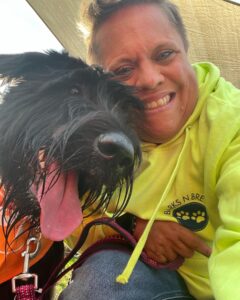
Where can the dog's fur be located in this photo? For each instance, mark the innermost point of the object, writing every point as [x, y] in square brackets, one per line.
[63, 111]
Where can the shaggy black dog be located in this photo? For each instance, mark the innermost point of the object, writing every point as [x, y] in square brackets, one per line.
[66, 132]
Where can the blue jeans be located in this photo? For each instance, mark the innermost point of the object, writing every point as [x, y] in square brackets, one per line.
[95, 280]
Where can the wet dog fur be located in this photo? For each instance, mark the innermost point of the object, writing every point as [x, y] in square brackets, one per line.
[62, 116]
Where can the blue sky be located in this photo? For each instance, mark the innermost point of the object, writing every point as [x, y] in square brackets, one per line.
[21, 29]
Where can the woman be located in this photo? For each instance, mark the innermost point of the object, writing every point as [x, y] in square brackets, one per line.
[186, 197]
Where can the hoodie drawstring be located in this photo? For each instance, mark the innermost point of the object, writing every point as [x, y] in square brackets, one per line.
[125, 275]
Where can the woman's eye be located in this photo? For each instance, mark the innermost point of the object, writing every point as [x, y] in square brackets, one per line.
[164, 55]
[123, 71]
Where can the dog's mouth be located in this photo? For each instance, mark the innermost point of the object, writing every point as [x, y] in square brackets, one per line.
[110, 167]
[61, 210]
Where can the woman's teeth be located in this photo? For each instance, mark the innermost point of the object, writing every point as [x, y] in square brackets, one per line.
[158, 103]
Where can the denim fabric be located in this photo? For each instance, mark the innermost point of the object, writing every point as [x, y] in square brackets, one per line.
[95, 280]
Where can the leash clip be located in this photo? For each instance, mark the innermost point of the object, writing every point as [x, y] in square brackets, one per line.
[27, 254]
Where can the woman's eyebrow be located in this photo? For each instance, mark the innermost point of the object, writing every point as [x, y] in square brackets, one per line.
[164, 45]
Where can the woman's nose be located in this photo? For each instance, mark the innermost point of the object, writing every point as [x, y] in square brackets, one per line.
[149, 76]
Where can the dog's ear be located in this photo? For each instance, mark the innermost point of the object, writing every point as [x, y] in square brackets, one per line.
[34, 64]
[20, 65]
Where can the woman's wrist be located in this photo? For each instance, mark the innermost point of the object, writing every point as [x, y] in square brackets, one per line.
[140, 225]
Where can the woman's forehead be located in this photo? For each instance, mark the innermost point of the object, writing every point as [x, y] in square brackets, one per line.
[136, 28]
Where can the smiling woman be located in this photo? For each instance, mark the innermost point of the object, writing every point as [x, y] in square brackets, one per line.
[145, 58]
[180, 201]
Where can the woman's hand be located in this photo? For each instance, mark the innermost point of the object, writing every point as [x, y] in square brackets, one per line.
[167, 240]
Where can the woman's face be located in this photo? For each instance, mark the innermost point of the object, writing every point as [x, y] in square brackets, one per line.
[143, 49]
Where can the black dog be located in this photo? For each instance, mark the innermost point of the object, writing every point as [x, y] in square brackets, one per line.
[66, 132]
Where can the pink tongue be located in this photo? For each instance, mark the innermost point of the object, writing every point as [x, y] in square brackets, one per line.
[61, 211]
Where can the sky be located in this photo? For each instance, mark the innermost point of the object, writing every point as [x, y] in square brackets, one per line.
[21, 29]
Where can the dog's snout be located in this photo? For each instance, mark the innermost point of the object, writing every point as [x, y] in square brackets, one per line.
[117, 146]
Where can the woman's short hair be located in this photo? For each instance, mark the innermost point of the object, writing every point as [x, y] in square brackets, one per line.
[93, 13]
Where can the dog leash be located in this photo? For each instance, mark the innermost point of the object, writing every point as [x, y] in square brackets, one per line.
[122, 240]
[25, 285]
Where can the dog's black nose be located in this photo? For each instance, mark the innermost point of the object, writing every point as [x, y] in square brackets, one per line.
[117, 146]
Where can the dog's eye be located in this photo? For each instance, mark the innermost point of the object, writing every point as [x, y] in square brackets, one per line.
[74, 91]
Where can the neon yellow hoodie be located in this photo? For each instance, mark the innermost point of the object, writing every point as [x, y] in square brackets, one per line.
[194, 180]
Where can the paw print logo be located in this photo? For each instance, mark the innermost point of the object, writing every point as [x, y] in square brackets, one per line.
[192, 215]
[183, 215]
[198, 216]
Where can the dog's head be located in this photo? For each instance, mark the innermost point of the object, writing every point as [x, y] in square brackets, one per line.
[67, 131]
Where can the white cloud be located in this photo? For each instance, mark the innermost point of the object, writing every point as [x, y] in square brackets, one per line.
[21, 29]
